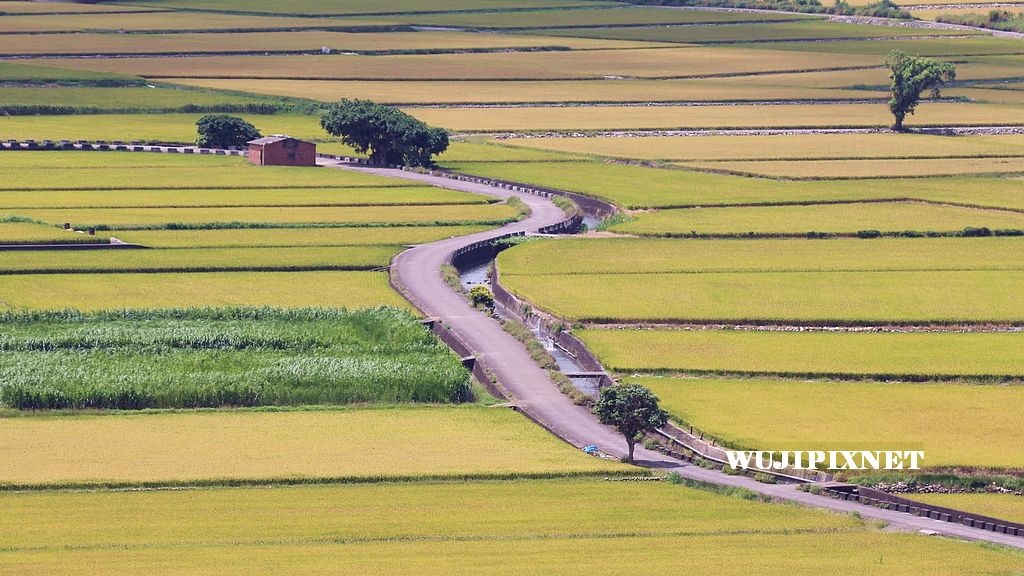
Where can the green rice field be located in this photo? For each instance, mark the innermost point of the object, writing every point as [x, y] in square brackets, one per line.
[283, 237]
[818, 169]
[785, 414]
[234, 357]
[14, 232]
[860, 354]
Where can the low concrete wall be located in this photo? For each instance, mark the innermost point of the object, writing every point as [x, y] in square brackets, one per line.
[872, 497]
[115, 146]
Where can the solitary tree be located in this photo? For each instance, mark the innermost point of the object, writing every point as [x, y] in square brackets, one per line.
[632, 409]
[388, 134]
[223, 131]
[911, 76]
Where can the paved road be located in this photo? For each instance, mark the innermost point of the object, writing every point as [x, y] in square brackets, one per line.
[418, 270]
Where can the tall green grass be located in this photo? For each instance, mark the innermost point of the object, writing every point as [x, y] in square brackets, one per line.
[191, 358]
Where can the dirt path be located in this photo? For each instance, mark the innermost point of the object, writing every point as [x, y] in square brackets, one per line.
[418, 271]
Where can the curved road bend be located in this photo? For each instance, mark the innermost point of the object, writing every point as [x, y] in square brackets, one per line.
[418, 270]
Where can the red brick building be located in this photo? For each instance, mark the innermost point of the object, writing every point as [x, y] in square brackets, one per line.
[280, 150]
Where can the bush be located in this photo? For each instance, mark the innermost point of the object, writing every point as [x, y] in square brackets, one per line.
[971, 232]
[869, 234]
[764, 478]
[482, 296]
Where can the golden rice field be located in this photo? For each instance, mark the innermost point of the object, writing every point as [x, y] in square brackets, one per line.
[994, 96]
[658, 255]
[816, 415]
[870, 554]
[830, 218]
[1002, 506]
[817, 298]
[693, 117]
[818, 169]
[266, 197]
[194, 260]
[589, 64]
[309, 41]
[173, 290]
[896, 355]
[845, 147]
[935, 46]
[518, 91]
[393, 511]
[127, 218]
[271, 237]
[192, 447]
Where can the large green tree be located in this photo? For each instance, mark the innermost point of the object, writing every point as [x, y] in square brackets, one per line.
[632, 409]
[389, 135]
[912, 75]
[223, 131]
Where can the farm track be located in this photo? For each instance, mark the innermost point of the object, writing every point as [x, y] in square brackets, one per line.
[417, 272]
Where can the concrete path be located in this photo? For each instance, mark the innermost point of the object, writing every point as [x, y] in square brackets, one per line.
[418, 271]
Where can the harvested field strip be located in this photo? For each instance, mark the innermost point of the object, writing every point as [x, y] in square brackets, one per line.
[275, 237]
[791, 553]
[974, 45]
[1002, 506]
[298, 197]
[652, 256]
[806, 298]
[887, 217]
[200, 260]
[171, 290]
[917, 355]
[820, 169]
[391, 8]
[249, 217]
[582, 18]
[174, 448]
[712, 117]
[783, 147]
[769, 413]
[33, 233]
[164, 22]
[684, 189]
[215, 358]
[354, 513]
[753, 33]
[526, 91]
[591, 64]
[989, 95]
[32, 99]
[308, 41]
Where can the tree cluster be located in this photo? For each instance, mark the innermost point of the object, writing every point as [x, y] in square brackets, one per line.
[223, 131]
[389, 135]
[632, 409]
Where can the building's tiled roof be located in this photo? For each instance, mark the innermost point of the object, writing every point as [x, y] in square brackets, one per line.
[271, 139]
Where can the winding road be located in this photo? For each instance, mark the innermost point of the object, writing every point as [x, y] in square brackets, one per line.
[417, 271]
